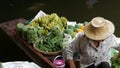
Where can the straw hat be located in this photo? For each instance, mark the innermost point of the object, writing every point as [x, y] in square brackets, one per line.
[99, 28]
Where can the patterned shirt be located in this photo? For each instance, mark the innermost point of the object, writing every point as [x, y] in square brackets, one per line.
[81, 45]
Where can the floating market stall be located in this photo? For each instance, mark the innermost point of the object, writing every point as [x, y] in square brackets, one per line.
[44, 37]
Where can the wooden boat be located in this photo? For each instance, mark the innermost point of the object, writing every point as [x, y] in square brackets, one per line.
[42, 60]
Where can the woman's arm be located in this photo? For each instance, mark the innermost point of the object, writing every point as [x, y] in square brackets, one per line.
[71, 49]
[116, 42]
[71, 63]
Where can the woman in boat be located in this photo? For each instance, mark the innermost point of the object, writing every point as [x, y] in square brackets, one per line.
[93, 45]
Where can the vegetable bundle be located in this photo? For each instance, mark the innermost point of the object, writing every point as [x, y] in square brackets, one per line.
[45, 32]
[115, 61]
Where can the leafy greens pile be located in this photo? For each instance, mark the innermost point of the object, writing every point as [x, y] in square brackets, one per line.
[46, 32]
[115, 61]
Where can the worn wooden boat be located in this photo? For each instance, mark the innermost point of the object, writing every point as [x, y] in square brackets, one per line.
[42, 60]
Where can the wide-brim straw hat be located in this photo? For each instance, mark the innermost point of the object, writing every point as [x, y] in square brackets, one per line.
[99, 28]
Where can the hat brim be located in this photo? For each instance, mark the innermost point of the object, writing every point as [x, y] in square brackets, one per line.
[100, 33]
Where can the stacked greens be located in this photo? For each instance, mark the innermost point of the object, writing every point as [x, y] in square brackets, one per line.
[115, 61]
[72, 30]
[45, 32]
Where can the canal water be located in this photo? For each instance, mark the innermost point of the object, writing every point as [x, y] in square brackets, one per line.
[73, 10]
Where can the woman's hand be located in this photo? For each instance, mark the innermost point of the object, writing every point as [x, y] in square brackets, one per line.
[71, 63]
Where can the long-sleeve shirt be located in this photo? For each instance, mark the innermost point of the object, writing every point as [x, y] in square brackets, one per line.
[88, 53]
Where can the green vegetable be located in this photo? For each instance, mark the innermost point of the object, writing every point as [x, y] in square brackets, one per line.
[68, 31]
[20, 26]
[45, 32]
[115, 61]
[77, 25]
[70, 27]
